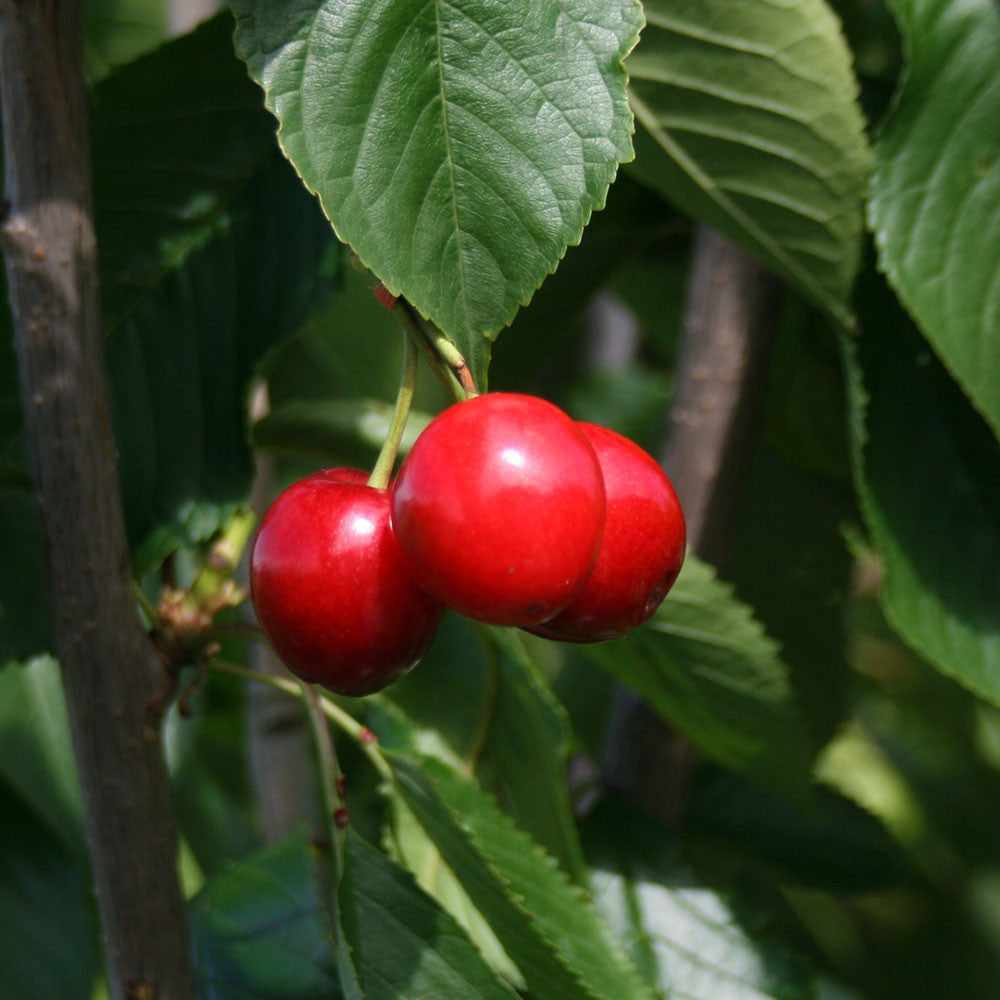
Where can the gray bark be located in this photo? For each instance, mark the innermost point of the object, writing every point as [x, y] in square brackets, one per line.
[712, 420]
[110, 670]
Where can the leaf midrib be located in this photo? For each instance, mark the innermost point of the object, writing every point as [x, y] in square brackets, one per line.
[463, 293]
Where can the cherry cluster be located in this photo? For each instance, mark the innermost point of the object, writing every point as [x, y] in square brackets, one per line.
[505, 510]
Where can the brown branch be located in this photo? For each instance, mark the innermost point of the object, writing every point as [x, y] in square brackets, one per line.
[713, 416]
[712, 420]
[110, 670]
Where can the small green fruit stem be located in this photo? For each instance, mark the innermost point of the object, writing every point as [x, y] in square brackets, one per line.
[382, 472]
[443, 356]
[344, 721]
[329, 768]
[217, 572]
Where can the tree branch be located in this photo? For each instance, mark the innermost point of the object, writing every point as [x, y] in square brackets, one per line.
[110, 671]
[713, 417]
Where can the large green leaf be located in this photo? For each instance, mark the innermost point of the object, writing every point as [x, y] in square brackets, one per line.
[689, 939]
[259, 931]
[458, 147]
[747, 119]
[928, 473]
[708, 668]
[403, 946]
[935, 204]
[543, 922]
[48, 927]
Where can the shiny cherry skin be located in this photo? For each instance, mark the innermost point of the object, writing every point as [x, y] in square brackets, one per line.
[642, 548]
[332, 590]
[500, 507]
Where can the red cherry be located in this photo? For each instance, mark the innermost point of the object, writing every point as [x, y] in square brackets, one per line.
[332, 589]
[642, 548]
[500, 506]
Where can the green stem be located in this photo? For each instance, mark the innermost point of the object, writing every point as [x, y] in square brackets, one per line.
[444, 358]
[382, 472]
[152, 615]
[341, 719]
[224, 555]
[329, 769]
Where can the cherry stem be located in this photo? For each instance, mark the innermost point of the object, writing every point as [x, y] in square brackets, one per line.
[444, 357]
[382, 472]
[344, 721]
[329, 773]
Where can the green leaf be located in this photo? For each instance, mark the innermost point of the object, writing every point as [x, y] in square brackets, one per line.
[928, 475]
[935, 205]
[214, 805]
[689, 939]
[502, 724]
[708, 668]
[36, 754]
[408, 845]
[48, 929]
[259, 931]
[526, 756]
[543, 922]
[459, 148]
[747, 120]
[116, 31]
[402, 944]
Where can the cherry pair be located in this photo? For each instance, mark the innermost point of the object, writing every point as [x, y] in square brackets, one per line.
[505, 510]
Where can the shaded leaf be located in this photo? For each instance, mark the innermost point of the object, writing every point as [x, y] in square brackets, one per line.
[458, 148]
[402, 944]
[747, 119]
[174, 137]
[708, 668]
[213, 801]
[689, 939]
[824, 840]
[180, 365]
[48, 928]
[543, 922]
[36, 753]
[928, 475]
[259, 931]
[116, 31]
[935, 205]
